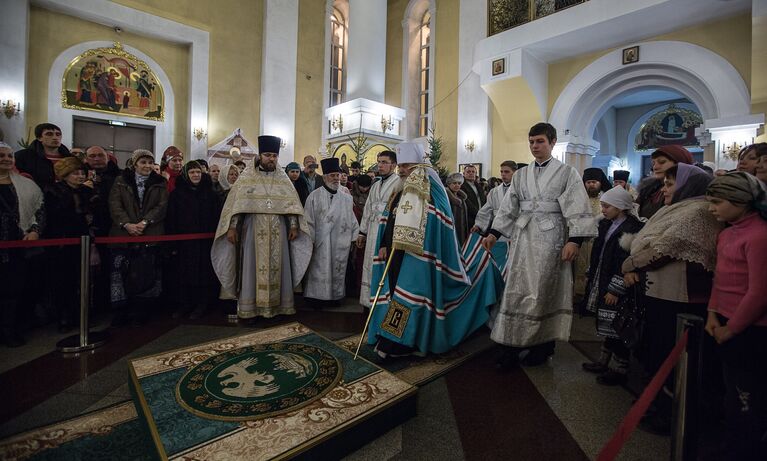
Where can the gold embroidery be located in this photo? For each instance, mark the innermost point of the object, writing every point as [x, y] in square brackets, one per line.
[396, 319]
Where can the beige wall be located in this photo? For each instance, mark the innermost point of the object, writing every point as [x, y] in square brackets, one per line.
[48, 42]
[311, 63]
[395, 13]
[234, 89]
[446, 80]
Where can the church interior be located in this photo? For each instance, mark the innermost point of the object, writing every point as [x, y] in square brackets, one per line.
[349, 79]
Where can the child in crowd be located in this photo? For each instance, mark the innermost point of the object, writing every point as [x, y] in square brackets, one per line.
[605, 285]
[737, 310]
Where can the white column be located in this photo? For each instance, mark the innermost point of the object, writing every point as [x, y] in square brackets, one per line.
[278, 73]
[473, 104]
[14, 24]
[366, 60]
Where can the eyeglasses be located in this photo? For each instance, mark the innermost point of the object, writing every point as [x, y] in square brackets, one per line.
[384, 162]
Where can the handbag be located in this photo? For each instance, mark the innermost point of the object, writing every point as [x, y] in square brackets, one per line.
[627, 320]
[142, 268]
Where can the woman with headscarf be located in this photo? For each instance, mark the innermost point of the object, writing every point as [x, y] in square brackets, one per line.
[737, 310]
[227, 178]
[70, 208]
[458, 206]
[675, 254]
[193, 207]
[650, 198]
[170, 165]
[21, 218]
[138, 204]
[293, 171]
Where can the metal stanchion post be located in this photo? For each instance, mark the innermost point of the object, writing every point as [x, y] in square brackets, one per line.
[86, 340]
[685, 424]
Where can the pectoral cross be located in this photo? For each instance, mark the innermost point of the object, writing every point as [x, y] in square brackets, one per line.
[261, 234]
[406, 207]
[269, 203]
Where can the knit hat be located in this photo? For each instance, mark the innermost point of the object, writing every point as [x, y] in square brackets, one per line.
[675, 152]
[67, 165]
[292, 166]
[172, 151]
[619, 198]
[364, 180]
[140, 153]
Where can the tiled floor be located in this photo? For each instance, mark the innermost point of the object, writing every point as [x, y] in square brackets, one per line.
[589, 412]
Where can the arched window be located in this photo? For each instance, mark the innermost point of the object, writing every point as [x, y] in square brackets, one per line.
[425, 40]
[338, 36]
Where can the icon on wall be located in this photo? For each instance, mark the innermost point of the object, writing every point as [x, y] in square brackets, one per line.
[114, 81]
[499, 66]
[631, 55]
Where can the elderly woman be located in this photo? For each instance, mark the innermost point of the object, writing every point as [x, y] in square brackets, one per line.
[193, 207]
[650, 198]
[458, 205]
[70, 208]
[21, 218]
[228, 177]
[737, 311]
[293, 171]
[138, 203]
[170, 166]
[676, 253]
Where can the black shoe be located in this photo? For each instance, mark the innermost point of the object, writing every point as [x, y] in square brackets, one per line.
[594, 367]
[656, 423]
[612, 378]
[536, 357]
[507, 360]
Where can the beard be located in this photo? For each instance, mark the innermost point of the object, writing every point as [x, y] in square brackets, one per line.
[268, 166]
[593, 192]
[332, 185]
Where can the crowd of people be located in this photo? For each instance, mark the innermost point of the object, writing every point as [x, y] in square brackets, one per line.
[441, 256]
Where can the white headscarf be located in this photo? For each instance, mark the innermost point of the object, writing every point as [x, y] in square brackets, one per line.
[619, 198]
[223, 177]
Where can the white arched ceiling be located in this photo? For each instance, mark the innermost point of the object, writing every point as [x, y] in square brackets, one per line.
[704, 77]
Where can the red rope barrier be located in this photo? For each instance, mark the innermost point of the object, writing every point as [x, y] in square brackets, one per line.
[106, 240]
[630, 422]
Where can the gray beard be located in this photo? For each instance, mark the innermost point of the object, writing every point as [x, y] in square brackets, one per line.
[332, 186]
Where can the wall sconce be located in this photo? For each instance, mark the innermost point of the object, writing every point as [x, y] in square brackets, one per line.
[283, 143]
[470, 146]
[732, 150]
[199, 134]
[386, 124]
[337, 123]
[11, 109]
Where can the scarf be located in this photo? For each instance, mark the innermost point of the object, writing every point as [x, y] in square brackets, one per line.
[685, 231]
[190, 165]
[30, 199]
[691, 182]
[742, 189]
[141, 186]
[224, 175]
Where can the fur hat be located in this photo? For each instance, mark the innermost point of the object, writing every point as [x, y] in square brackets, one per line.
[67, 165]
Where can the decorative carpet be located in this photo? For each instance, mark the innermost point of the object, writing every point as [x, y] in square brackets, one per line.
[422, 370]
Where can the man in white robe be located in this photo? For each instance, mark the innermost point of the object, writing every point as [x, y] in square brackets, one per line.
[486, 214]
[546, 216]
[262, 245]
[333, 227]
[375, 205]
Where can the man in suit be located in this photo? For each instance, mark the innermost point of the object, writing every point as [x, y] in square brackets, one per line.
[475, 193]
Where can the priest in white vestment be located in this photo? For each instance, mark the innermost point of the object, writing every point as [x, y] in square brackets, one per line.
[262, 245]
[546, 216]
[333, 228]
[375, 205]
[486, 214]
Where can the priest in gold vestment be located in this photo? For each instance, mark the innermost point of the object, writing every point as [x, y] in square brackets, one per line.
[262, 245]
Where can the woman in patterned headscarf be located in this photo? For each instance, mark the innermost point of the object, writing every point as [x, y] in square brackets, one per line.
[675, 255]
[193, 207]
[737, 311]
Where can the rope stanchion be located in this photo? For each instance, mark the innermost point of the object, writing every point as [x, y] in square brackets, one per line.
[39, 243]
[630, 422]
[155, 238]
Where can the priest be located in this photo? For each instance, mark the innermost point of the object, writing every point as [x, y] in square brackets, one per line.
[333, 228]
[262, 245]
[374, 207]
[431, 298]
[546, 216]
[596, 183]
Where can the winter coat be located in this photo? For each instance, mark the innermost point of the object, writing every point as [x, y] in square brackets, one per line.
[193, 210]
[474, 201]
[102, 186]
[302, 188]
[458, 204]
[33, 161]
[125, 208]
[69, 211]
[612, 258]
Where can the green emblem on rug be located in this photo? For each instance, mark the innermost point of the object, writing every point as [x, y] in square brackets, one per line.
[258, 381]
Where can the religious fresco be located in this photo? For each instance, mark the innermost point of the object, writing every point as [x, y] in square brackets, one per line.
[674, 125]
[114, 81]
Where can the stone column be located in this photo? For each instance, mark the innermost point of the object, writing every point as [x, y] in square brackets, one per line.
[14, 25]
[278, 73]
[576, 151]
[366, 59]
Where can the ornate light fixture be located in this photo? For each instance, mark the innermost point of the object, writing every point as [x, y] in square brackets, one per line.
[337, 123]
[732, 150]
[470, 146]
[386, 124]
[199, 134]
[11, 109]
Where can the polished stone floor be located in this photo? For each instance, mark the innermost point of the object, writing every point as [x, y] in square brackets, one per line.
[554, 411]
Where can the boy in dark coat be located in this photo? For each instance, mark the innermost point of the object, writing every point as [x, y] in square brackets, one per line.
[605, 285]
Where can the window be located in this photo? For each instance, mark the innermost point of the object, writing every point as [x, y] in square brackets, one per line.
[337, 59]
[425, 41]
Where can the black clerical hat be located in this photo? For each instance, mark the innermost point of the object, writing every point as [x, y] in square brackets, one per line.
[621, 175]
[330, 165]
[269, 144]
[597, 174]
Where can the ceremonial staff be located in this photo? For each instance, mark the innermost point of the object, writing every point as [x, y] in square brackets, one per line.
[375, 301]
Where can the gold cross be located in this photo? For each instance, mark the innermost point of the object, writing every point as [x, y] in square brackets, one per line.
[262, 270]
[261, 234]
[406, 207]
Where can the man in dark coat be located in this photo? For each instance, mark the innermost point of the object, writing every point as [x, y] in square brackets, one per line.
[475, 194]
[37, 160]
[313, 180]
